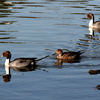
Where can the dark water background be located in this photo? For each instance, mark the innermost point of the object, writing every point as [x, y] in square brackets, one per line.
[31, 28]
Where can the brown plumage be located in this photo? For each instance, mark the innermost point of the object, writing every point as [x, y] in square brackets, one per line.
[68, 55]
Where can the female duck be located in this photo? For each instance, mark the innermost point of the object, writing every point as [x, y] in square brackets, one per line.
[18, 62]
[68, 55]
[92, 23]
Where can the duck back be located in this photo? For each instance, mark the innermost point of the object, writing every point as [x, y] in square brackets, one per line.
[23, 62]
[96, 24]
[72, 55]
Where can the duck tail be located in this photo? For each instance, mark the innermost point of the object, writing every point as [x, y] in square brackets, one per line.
[80, 52]
[42, 58]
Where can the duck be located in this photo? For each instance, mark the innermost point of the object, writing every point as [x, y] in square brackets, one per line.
[18, 62]
[92, 23]
[67, 55]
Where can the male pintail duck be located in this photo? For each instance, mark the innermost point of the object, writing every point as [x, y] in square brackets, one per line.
[68, 55]
[92, 23]
[18, 62]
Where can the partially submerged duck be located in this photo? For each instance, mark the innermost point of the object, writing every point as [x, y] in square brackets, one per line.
[68, 55]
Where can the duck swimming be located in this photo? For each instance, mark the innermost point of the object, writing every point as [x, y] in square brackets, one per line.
[92, 23]
[68, 55]
[18, 62]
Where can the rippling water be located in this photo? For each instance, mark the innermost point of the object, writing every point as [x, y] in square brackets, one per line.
[31, 28]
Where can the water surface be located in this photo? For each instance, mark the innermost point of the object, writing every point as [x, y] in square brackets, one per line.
[37, 28]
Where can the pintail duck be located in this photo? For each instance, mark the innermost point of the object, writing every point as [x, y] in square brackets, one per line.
[92, 23]
[68, 55]
[18, 62]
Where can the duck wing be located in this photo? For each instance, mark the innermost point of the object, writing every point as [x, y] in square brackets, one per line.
[96, 24]
[23, 62]
[72, 55]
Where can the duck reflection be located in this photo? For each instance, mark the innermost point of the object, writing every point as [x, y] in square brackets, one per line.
[96, 29]
[91, 34]
[61, 61]
[7, 76]
[24, 69]
[91, 37]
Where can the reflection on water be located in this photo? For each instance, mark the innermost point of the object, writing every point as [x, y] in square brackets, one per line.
[23, 69]
[96, 29]
[13, 9]
[91, 31]
[7, 77]
[92, 38]
[31, 22]
[61, 61]
[33, 28]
